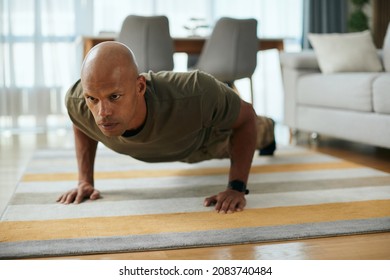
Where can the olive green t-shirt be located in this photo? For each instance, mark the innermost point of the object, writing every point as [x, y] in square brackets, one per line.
[183, 110]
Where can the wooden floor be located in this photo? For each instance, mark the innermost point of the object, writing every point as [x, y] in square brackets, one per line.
[367, 247]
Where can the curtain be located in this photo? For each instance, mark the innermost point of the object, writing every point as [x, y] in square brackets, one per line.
[37, 59]
[324, 16]
[380, 20]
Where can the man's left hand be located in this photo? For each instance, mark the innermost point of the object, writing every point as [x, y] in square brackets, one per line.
[228, 201]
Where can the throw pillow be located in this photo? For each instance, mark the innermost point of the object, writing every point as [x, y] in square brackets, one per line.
[346, 52]
[386, 50]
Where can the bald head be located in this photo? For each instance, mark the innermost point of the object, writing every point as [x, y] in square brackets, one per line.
[106, 60]
[112, 88]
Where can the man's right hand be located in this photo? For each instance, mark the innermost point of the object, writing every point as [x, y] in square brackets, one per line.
[84, 191]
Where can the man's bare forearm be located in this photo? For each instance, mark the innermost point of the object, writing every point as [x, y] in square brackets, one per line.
[243, 145]
[85, 153]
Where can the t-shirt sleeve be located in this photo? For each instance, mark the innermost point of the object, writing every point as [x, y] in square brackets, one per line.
[220, 104]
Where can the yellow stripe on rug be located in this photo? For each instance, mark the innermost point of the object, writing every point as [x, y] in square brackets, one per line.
[188, 222]
[191, 172]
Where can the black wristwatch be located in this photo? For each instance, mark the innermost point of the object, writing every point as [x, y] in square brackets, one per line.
[238, 185]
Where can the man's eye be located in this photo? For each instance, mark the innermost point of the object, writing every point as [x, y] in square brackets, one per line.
[91, 99]
[115, 97]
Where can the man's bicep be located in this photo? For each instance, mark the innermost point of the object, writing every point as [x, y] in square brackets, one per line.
[246, 115]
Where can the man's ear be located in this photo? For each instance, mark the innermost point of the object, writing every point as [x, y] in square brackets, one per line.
[141, 85]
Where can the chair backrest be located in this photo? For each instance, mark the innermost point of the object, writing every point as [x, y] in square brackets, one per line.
[231, 51]
[150, 40]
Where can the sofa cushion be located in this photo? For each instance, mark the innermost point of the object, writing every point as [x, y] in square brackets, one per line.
[381, 94]
[386, 50]
[346, 52]
[351, 91]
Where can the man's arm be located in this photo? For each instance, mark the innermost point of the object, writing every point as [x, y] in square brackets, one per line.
[242, 148]
[85, 153]
[243, 143]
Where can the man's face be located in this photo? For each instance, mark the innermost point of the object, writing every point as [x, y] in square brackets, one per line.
[114, 101]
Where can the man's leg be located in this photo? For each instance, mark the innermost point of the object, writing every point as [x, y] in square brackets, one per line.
[217, 146]
[265, 136]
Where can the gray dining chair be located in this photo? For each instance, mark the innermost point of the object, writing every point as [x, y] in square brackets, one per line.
[231, 51]
[150, 40]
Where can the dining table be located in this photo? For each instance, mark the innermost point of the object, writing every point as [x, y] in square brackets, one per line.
[190, 45]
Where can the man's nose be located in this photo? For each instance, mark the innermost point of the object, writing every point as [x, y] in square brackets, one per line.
[104, 109]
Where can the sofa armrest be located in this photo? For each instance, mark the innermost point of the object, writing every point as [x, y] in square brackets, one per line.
[304, 60]
[294, 66]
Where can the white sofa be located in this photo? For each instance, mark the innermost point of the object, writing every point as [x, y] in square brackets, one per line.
[348, 105]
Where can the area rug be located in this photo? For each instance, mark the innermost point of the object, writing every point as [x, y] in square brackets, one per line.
[295, 194]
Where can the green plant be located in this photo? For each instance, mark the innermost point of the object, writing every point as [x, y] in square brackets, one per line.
[358, 20]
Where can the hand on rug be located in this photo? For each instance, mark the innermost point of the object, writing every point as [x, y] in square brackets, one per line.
[84, 191]
[228, 201]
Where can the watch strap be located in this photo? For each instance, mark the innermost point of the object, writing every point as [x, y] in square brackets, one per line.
[238, 185]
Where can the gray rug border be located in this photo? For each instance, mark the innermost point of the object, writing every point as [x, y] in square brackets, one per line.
[166, 241]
